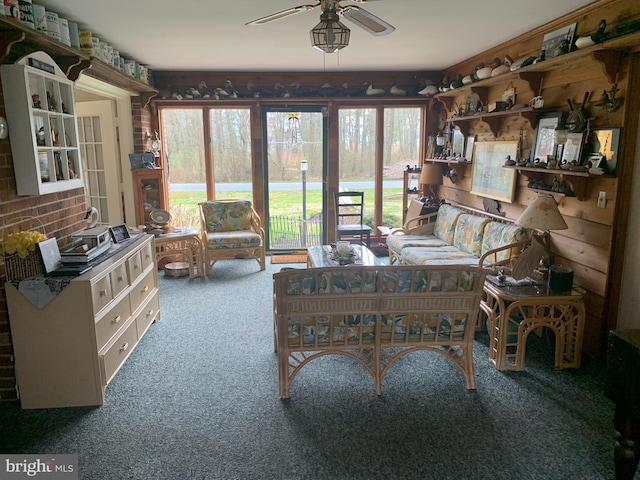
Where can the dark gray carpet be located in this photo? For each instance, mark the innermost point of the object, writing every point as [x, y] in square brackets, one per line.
[198, 399]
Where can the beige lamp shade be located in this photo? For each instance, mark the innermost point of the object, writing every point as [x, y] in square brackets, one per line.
[542, 214]
[431, 174]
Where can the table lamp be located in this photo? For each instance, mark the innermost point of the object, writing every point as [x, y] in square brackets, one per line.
[431, 175]
[543, 215]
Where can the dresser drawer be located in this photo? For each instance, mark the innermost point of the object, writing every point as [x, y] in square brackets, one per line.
[119, 351]
[142, 290]
[112, 321]
[101, 293]
[147, 255]
[119, 279]
[134, 266]
[148, 314]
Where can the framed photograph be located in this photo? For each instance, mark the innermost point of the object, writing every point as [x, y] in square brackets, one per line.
[119, 233]
[468, 149]
[457, 143]
[558, 42]
[489, 179]
[605, 143]
[572, 150]
[49, 254]
[544, 144]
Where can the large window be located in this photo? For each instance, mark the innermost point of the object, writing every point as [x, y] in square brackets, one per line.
[192, 170]
[379, 174]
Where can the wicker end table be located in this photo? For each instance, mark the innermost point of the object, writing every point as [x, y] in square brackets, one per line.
[186, 242]
[514, 312]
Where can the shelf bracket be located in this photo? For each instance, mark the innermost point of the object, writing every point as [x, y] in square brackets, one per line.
[447, 102]
[7, 40]
[481, 92]
[72, 66]
[533, 79]
[494, 123]
[610, 61]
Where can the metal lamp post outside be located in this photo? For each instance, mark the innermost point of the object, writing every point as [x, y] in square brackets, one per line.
[303, 168]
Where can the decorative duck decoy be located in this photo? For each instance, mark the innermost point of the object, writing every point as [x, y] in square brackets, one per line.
[397, 91]
[348, 91]
[299, 91]
[228, 87]
[326, 90]
[281, 91]
[371, 91]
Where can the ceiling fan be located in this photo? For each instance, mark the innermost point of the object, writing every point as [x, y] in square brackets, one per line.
[330, 9]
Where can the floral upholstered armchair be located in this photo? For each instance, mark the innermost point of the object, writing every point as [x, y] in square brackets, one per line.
[231, 229]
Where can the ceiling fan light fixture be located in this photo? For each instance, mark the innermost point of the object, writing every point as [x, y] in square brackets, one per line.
[330, 35]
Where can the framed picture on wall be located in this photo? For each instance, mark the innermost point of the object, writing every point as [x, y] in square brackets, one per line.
[544, 144]
[489, 179]
[572, 150]
[468, 149]
[605, 143]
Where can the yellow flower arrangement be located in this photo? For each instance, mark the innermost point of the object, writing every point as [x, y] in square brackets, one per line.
[21, 243]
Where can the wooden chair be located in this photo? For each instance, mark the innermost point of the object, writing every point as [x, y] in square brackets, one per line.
[349, 214]
[231, 229]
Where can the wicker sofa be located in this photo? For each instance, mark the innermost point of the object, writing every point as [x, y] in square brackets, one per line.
[457, 236]
[375, 315]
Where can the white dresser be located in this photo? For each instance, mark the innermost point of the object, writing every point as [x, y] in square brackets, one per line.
[67, 352]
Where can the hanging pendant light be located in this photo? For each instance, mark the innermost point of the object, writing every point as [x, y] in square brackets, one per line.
[330, 35]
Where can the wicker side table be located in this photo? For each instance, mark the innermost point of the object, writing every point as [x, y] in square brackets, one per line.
[514, 312]
[182, 242]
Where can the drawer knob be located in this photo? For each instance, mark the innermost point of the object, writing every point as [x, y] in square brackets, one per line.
[103, 293]
[124, 347]
[145, 289]
[150, 312]
[120, 278]
[136, 266]
[117, 319]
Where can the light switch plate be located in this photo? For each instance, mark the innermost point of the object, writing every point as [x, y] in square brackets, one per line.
[602, 199]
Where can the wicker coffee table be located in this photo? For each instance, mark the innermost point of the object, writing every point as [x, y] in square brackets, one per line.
[320, 256]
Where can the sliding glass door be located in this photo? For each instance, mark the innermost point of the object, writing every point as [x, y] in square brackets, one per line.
[295, 146]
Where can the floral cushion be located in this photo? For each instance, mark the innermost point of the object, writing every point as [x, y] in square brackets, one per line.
[235, 239]
[400, 280]
[412, 327]
[398, 242]
[497, 234]
[436, 256]
[469, 233]
[227, 215]
[307, 330]
[359, 327]
[445, 224]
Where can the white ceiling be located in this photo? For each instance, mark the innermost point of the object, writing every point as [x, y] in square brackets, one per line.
[211, 34]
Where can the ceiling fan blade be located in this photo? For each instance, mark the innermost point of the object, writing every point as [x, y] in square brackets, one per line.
[283, 14]
[366, 20]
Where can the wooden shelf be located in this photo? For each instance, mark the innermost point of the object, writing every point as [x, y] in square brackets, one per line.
[493, 118]
[448, 162]
[17, 40]
[607, 53]
[550, 171]
[577, 180]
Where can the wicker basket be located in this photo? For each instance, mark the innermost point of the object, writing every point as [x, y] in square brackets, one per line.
[18, 268]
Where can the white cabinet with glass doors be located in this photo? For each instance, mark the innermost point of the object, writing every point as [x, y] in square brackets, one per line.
[41, 115]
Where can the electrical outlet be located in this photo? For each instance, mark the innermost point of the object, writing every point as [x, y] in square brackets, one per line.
[602, 199]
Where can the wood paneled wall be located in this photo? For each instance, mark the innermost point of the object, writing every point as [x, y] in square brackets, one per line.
[588, 245]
